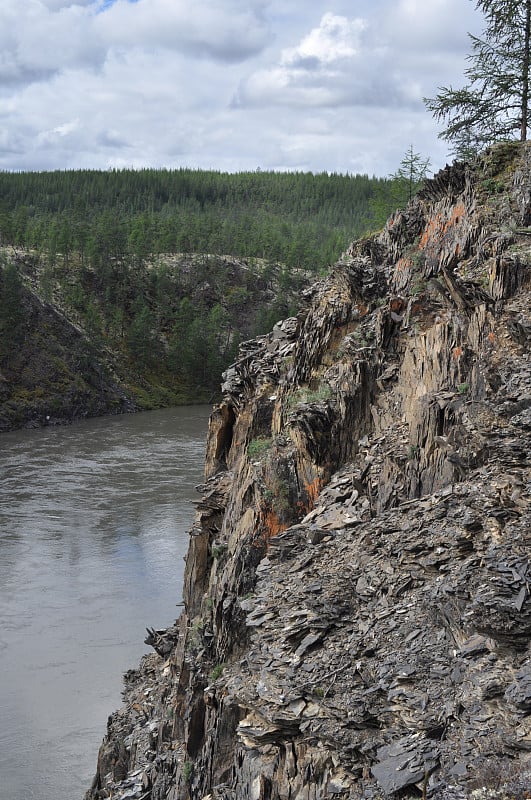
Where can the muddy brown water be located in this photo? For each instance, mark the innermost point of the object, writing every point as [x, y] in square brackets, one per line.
[94, 521]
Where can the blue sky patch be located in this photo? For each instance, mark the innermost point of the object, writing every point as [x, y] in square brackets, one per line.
[103, 5]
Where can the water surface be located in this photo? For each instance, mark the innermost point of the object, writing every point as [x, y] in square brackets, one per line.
[94, 522]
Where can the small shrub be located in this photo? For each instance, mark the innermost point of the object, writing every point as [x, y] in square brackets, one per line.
[419, 259]
[492, 186]
[194, 636]
[219, 551]
[259, 447]
[216, 673]
[188, 771]
[463, 388]
[277, 494]
[418, 287]
[323, 393]
[361, 337]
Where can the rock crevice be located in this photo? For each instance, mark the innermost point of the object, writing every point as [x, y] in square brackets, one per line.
[357, 612]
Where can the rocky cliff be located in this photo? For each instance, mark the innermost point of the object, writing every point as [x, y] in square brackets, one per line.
[357, 610]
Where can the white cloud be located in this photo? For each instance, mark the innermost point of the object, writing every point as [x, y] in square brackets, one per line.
[225, 84]
[39, 38]
[335, 39]
[60, 130]
[423, 26]
[339, 63]
[390, 60]
[229, 31]
[56, 5]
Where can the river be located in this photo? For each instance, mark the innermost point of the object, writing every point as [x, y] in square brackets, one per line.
[94, 521]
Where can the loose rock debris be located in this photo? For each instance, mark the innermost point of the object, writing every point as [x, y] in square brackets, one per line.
[357, 618]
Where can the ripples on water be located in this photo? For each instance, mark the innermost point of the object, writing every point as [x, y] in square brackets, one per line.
[93, 529]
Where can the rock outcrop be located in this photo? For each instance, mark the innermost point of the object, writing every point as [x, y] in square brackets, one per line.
[357, 610]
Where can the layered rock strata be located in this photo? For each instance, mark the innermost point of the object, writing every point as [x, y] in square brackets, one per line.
[357, 610]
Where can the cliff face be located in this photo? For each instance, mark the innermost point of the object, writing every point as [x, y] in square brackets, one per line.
[357, 610]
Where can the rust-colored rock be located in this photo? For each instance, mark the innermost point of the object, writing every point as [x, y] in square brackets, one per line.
[357, 615]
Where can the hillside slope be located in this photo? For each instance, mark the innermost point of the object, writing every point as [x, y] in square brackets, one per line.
[51, 371]
[78, 342]
[357, 611]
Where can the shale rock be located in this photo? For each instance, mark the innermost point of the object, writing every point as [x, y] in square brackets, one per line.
[357, 617]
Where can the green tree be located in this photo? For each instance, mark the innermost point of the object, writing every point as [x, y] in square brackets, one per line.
[93, 321]
[65, 240]
[140, 238]
[183, 318]
[410, 175]
[6, 224]
[400, 188]
[207, 346]
[494, 105]
[142, 338]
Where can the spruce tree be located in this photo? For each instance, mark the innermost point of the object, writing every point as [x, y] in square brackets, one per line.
[401, 186]
[494, 105]
[409, 176]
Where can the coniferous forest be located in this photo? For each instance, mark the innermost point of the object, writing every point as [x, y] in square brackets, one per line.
[298, 219]
[161, 272]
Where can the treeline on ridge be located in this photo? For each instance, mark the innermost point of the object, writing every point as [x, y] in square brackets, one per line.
[165, 272]
[302, 220]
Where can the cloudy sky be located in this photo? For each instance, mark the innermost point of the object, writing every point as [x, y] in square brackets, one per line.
[320, 85]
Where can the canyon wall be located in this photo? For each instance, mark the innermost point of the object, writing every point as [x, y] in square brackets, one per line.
[357, 609]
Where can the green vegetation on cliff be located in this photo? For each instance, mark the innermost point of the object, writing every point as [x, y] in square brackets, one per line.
[102, 282]
[132, 261]
[142, 335]
[50, 370]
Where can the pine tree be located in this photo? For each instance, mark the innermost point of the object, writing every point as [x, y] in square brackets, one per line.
[400, 188]
[142, 339]
[409, 176]
[494, 105]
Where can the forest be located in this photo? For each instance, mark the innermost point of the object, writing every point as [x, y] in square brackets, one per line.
[166, 271]
[302, 220]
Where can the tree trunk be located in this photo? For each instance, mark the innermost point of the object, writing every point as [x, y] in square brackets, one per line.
[525, 72]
